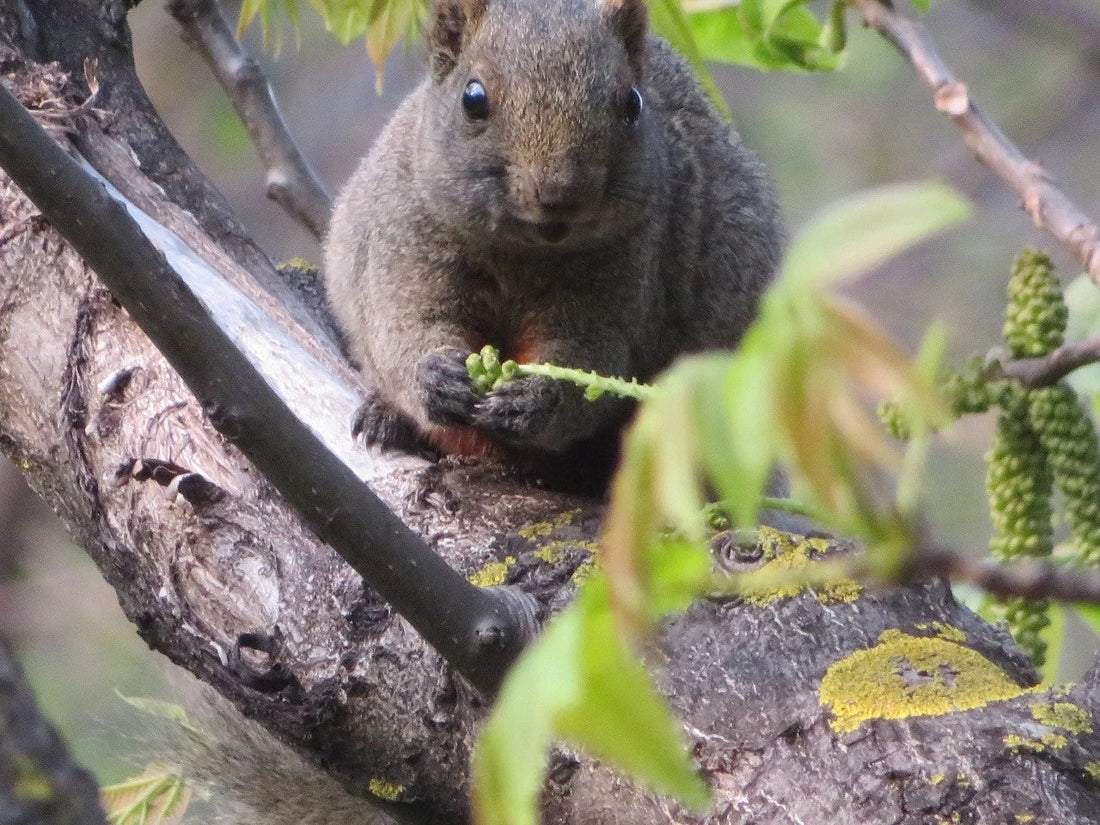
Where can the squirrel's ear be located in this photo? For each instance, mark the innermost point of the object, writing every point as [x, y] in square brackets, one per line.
[452, 23]
[629, 19]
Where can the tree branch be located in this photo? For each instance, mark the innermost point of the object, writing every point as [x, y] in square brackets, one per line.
[39, 781]
[1049, 207]
[1050, 369]
[479, 632]
[1033, 580]
[291, 181]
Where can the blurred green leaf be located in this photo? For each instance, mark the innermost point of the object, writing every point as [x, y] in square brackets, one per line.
[576, 683]
[866, 229]
[1090, 615]
[160, 709]
[922, 5]
[1083, 299]
[769, 34]
[667, 18]
[158, 797]
[1054, 635]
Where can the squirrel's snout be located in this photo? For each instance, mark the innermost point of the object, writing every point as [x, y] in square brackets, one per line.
[560, 199]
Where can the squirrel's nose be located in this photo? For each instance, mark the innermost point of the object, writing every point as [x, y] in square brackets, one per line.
[560, 198]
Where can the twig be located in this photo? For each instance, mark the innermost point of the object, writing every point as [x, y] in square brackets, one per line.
[290, 180]
[1033, 580]
[1048, 206]
[1052, 368]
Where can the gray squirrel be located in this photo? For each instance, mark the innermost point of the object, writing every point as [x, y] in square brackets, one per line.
[562, 189]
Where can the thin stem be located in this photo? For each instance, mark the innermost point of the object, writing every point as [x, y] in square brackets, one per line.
[1049, 207]
[1033, 580]
[290, 180]
[1052, 368]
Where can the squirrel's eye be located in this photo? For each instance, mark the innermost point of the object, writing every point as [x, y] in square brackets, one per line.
[633, 106]
[475, 101]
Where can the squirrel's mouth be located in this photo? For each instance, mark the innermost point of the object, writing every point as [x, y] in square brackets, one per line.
[553, 231]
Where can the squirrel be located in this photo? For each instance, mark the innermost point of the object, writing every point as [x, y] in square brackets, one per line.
[561, 188]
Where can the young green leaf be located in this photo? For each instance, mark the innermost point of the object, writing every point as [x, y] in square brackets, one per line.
[158, 797]
[867, 229]
[577, 683]
[668, 19]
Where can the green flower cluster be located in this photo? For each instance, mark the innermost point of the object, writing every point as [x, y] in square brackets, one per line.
[1035, 322]
[1027, 619]
[1069, 440]
[1019, 483]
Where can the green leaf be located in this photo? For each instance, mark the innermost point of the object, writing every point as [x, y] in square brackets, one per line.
[1083, 300]
[1090, 615]
[668, 20]
[922, 5]
[157, 797]
[617, 695]
[578, 683]
[1054, 635]
[834, 34]
[510, 755]
[721, 36]
[161, 709]
[868, 228]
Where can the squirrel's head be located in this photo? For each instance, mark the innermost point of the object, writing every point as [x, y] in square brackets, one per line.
[538, 117]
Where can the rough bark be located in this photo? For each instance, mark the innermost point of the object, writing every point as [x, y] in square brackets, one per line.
[107, 433]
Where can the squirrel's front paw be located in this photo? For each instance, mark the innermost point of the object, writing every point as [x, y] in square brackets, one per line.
[444, 387]
[519, 410]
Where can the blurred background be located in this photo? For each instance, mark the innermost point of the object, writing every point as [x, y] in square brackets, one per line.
[1034, 67]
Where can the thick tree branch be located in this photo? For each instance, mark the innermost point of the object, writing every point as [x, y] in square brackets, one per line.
[479, 632]
[1047, 205]
[39, 781]
[290, 180]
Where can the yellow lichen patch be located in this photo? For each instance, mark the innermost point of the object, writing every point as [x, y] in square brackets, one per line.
[31, 782]
[905, 676]
[1048, 741]
[937, 778]
[492, 574]
[1093, 770]
[1023, 819]
[791, 569]
[584, 571]
[948, 632]
[553, 551]
[539, 529]
[1064, 715]
[385, 790]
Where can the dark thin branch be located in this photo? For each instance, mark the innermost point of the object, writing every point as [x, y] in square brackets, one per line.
[1033, 580]
[1050, 369]
[1049, 207]
[478, 631]
[40, 782]
[291, 181]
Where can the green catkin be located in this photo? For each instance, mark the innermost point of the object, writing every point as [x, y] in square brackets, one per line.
[1035, 320]
[1020, 475]
[1069, 439]
[1019, 482]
